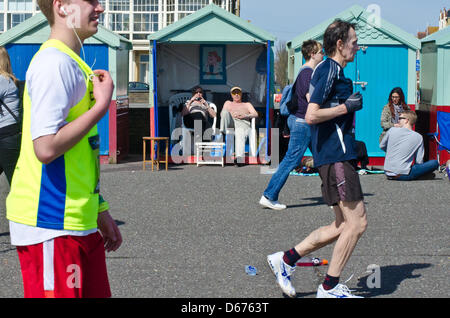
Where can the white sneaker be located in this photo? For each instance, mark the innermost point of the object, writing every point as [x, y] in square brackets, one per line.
[282, 272]
[340, 291]
[274, 205]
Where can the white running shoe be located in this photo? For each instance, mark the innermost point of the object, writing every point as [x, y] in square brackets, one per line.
[274, 205]
[282, 272]
[340, 291]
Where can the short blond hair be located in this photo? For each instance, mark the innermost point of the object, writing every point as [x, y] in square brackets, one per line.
[411, 115]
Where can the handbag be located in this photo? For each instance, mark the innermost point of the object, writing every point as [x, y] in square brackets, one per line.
[2, 103]
[13, 128]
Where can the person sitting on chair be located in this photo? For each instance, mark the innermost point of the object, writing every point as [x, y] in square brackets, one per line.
[197, 108]
[237, 114]
[402, 146]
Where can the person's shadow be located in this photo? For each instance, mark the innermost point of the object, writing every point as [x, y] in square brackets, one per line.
[390, 278]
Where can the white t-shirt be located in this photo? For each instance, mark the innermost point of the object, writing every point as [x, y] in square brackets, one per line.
[55, 84]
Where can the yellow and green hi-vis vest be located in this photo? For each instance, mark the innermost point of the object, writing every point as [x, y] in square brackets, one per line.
[63, 194]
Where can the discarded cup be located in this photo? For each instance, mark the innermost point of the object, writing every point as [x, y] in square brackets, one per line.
[250, 270]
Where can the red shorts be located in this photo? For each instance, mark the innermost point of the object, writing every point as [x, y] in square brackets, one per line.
[65, 267]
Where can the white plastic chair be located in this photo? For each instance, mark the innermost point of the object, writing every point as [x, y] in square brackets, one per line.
[174, 101]
[186, 133]
[252, 139]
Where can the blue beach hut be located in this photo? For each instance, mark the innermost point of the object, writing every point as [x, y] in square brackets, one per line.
[386, 59]
[105, 50]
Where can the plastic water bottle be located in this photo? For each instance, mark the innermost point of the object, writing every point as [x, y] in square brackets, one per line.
[250, 270]
[311, 261]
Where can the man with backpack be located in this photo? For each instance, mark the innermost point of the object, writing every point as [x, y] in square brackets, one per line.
[300, 135]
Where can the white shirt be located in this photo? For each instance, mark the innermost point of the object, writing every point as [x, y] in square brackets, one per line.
[55, 84]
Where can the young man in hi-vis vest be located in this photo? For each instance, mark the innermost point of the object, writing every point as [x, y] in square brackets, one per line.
[55, 208]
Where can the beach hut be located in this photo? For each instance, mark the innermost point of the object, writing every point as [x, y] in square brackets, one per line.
[179, 53]
[386, 59]
[105, 50]
[434, 85]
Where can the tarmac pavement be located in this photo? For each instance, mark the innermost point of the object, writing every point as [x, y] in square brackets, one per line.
[189, 232]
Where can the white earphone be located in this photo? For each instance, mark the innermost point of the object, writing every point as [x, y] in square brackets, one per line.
[63, 10]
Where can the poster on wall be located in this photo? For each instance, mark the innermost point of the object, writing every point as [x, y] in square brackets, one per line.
[212, 64]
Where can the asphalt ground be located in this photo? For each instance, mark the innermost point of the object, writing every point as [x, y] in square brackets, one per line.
[190, 231]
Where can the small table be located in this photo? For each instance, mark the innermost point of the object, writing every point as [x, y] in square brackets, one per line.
[217, 147]
[152, 151]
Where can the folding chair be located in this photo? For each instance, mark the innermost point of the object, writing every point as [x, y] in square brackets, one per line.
[442, 135]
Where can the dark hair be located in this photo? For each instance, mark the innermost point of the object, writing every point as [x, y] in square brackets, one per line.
[197, 89]
[399, 91]
[338, 30]
[309, 48]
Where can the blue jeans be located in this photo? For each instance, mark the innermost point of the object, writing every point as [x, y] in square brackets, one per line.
[419, 170]
[298, 142]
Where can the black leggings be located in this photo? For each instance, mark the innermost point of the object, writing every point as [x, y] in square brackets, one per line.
[190, 118]
[9, 153]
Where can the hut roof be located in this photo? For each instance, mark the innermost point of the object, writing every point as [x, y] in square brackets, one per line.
[442, 37]
[212, 24]
[37, 30]
[370, 29]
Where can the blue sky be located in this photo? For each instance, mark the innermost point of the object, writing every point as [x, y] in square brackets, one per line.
[285, 19]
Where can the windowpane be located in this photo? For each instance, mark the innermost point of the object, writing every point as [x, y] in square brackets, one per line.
[182, 15]
[16, 18]
[119, 21]
[144, 58]
[170, 5]
[119, 5]
[191, 5]
[20, 5]
[170, 18]
[146, 5]
[103, 3]
[101, 19]
[145, 22]
[220, 3]
[140, 36]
